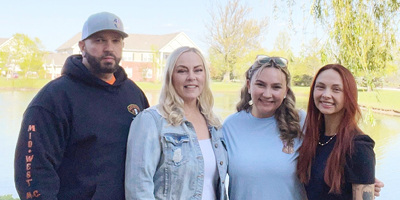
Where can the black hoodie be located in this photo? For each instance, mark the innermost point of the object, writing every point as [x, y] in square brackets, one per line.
[72, 143]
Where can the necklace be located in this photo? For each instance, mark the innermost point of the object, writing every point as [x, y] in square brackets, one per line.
[323, 144]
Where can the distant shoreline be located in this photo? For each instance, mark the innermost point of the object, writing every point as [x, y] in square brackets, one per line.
[18, 89]
[385, 111]
[390, 112]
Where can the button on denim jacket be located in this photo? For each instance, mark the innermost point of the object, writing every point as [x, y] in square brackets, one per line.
[165, 161]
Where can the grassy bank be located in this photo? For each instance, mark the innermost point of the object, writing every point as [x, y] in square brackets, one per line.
[385, 99]
[22, 83]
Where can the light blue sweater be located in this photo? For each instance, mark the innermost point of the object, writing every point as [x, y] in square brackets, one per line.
[258, 169]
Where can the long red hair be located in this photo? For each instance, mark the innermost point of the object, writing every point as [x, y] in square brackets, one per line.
[315, 125]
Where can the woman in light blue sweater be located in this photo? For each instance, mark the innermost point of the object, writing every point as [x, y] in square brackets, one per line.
[264, 135]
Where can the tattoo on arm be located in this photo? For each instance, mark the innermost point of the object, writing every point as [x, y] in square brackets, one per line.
[363, 191]
[368, 196]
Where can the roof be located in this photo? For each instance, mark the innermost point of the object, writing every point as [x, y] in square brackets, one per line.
[71, 42]
[147, 42]
[57, 59]
[140, 42]
[3, 40]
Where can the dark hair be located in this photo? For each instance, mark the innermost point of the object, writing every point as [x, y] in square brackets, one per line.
[286, 115]
[315, 125]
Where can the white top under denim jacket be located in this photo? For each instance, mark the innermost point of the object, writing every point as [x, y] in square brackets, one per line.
[165, 161]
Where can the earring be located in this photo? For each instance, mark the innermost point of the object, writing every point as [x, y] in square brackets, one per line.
[251, 102]
[284, 97]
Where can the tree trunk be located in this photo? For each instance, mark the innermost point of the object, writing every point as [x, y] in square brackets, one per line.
[227, 78]
[369, 88]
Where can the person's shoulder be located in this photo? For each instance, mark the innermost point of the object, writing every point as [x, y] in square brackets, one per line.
[360, 165]
[53, 89]
[151, 112]
[131, 83]
[363, 140]
[235, 117]
[58, 83]
[230, 124]
[302, 117]
[132, 86]
[52, 98]
[146, 116]
[302, 114]
[363, 148]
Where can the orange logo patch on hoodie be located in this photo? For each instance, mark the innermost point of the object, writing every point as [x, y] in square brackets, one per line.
[134, 109]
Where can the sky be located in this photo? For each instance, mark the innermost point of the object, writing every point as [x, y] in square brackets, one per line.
[55, 22]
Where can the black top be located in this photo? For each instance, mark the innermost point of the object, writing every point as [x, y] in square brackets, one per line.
[72, 143]
[359, 168]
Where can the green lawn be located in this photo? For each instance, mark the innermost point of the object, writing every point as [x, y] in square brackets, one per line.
[22, 83]
[386, 99]
[149, 85]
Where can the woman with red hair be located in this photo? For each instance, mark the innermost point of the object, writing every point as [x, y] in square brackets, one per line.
[336, 159]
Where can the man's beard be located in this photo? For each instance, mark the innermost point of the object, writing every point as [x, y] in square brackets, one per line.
[97, 67]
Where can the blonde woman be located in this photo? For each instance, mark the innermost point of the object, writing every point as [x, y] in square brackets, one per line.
[175, 149]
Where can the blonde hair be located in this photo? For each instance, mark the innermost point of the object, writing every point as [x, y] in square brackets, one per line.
[171, 104]
[286, 115]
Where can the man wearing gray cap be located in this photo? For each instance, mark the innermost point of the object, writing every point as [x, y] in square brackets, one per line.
[72, 143]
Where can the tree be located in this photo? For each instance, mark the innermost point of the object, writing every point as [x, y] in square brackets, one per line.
[5, 58]
[232, 35]
[282, 44]
[157, 65]
[7, 197]
[392, 71]
[244, 62]
[362, 34]
[282, 47]
[23, 52]
[311, 56]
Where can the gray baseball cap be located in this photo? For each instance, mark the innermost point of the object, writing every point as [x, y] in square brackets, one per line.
[101, 22]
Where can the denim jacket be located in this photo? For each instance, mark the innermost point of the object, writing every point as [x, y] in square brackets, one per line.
[166, 162]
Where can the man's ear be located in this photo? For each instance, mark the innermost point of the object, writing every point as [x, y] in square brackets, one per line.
[82, 47]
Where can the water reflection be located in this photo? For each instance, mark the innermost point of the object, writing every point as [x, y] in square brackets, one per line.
[386, 134]
[12, 106]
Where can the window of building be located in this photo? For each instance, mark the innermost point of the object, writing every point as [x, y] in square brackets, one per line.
[147, 57]
[127, 56]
